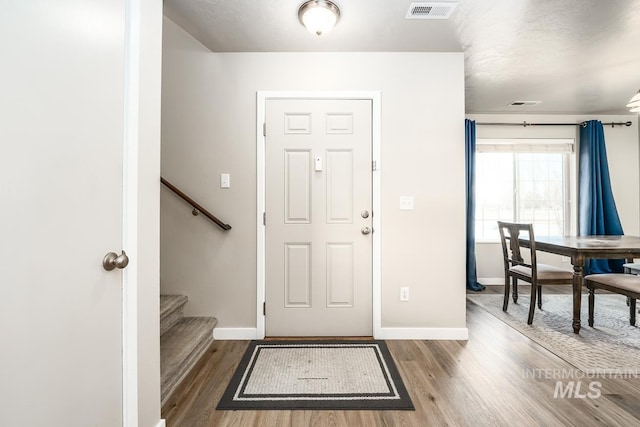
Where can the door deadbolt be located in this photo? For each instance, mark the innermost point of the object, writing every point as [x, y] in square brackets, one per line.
[364, 214]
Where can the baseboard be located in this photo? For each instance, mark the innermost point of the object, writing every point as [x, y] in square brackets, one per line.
[490, 281]
[423, 334]
[162, 423]
[235, 333]
[383, 334]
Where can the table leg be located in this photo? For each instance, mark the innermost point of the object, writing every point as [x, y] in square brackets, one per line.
[578, 263]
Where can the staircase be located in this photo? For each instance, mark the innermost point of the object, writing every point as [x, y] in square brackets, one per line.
[183, 343]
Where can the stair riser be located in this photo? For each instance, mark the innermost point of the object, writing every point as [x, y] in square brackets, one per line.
[171, 311]
[186, 365]
[180, 350]
[168, 321]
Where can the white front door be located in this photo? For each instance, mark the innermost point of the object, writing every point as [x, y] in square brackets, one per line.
[61, 192]
[318, 217]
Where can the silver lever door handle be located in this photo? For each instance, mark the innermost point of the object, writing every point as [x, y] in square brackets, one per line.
[113, 260]
[365, 230]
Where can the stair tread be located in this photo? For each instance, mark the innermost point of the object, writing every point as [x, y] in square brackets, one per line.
[171, 303]
[181, 347]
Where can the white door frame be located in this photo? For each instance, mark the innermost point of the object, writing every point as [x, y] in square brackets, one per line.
[132, 100]
[141, 198]
[262, 98]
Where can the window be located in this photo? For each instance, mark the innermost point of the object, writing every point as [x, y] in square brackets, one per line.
[524, 181]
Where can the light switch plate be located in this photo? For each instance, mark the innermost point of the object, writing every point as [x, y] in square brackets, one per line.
[406, 203]
[225, 180]
[404, 293]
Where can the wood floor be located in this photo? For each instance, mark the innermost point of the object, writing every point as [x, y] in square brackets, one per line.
[496, 378]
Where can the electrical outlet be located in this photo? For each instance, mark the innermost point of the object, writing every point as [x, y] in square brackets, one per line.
[404, 294]
[406, 203]
[565, 259]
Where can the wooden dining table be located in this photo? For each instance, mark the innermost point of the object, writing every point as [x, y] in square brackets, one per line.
[580, 248]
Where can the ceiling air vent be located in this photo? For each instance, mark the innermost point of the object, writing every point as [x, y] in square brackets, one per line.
[523, 103]
[430, 10]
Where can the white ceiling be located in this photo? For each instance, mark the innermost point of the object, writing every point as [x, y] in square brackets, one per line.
[576, 56]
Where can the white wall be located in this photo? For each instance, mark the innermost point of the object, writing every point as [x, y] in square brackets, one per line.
[622, 152]
[208, 128]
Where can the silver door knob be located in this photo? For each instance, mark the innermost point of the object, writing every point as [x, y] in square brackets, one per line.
[365, 230]
[113, 260]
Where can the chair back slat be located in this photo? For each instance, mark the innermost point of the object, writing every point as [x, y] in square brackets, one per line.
[516, 267]
[510, 234]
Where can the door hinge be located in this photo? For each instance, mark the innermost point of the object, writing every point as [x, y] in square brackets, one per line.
[264, 308]
[264, 218]
[264, 129]
[374, 165]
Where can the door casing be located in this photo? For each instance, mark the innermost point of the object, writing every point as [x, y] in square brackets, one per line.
[262, 97]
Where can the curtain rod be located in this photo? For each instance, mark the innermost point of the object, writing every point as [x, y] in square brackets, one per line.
[525, 124]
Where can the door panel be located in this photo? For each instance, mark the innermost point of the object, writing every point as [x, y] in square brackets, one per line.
[318, 180]
[339, 196]
[61, 178]
[297, 186]
[340, 284]
[297, 278]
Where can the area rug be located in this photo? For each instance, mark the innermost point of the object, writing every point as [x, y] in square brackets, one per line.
[612, 346]
[353, 375]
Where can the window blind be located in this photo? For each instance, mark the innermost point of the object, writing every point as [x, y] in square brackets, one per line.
[546, 145]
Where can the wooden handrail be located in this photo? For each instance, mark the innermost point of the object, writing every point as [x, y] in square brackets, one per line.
[197, 208]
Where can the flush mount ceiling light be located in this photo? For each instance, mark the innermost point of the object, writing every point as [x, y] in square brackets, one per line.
[634, 103]
[318, 16]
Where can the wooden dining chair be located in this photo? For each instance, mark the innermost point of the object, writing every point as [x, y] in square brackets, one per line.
[619, 283]
[516, 268]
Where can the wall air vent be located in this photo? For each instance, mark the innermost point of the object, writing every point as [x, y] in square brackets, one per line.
[523, 103]
[430, 10]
